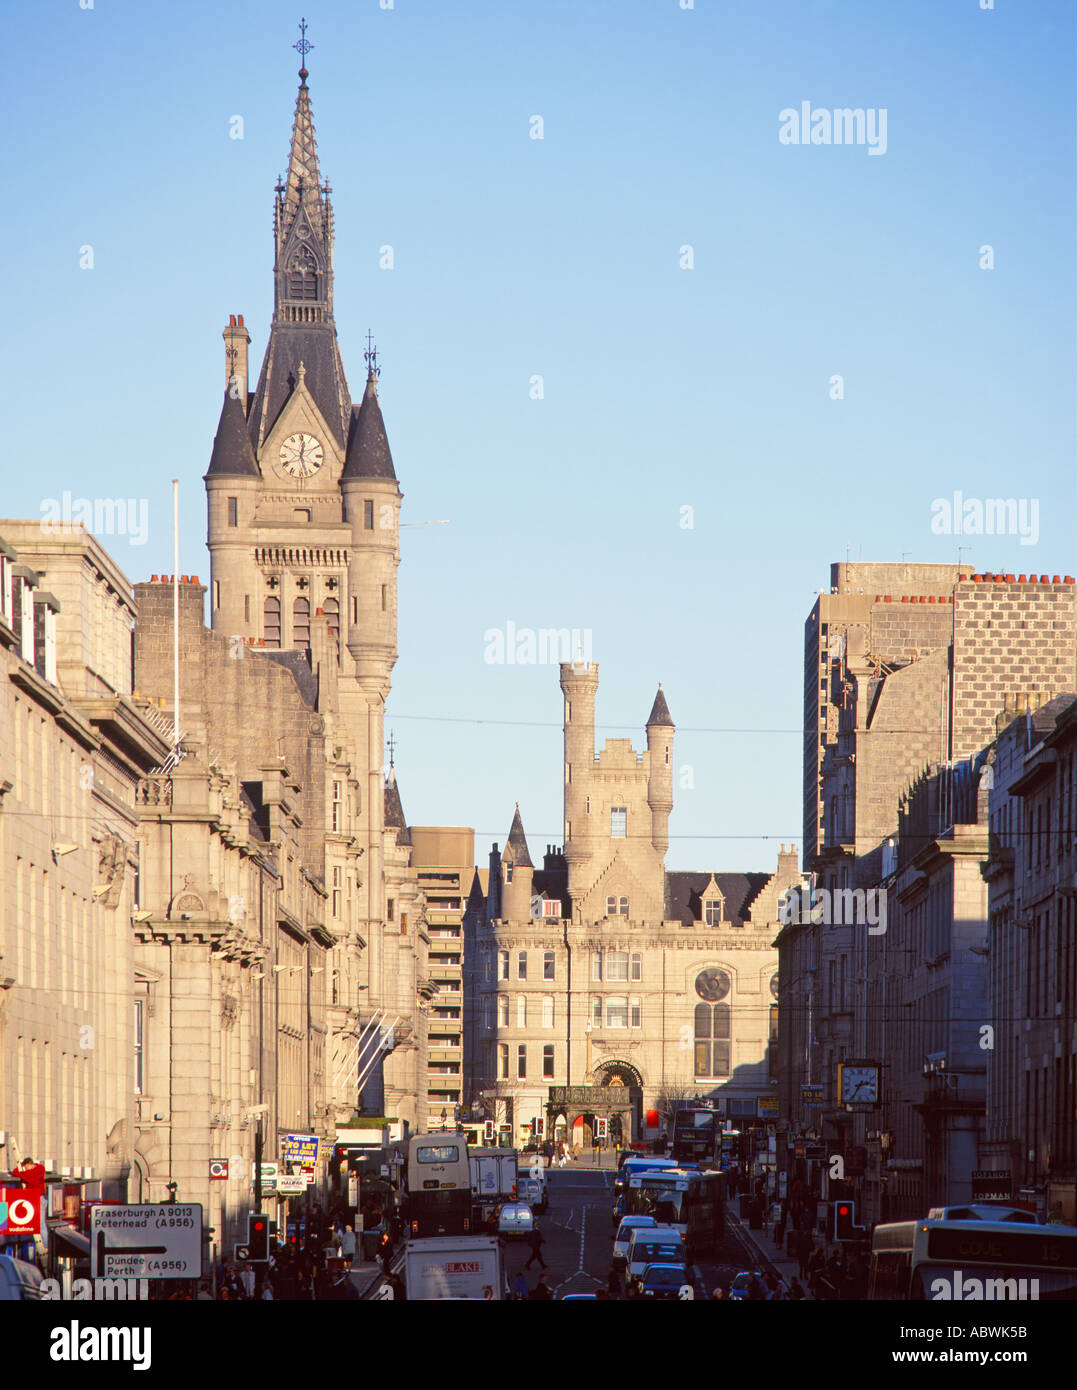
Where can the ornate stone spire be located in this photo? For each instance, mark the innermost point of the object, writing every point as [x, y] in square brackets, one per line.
[302, 187]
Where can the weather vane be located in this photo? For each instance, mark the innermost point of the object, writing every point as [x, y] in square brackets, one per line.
[302, 47]
[370, 357]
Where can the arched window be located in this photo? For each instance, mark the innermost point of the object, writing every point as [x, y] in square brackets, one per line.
[503, 1010]
[271, 621]
[301, 622]
[303, 275]
[331, 609]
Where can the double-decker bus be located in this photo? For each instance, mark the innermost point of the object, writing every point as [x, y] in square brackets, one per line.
[730, 1140]
[696, 1137]
[438, 1201]
[973, 1260]
[693, 1202]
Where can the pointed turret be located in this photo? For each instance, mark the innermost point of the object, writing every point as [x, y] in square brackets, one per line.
[232, 453]
[394, 810]
[660, 770]
[368, 445]
[517, 873]
[517, 841]
[660, 716]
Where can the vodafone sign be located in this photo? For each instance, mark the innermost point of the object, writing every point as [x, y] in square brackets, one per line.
[20, 1211]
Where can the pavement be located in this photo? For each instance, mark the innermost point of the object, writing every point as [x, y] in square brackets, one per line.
[771, 1255]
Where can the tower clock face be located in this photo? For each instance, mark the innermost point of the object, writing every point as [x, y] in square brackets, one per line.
[301, 455]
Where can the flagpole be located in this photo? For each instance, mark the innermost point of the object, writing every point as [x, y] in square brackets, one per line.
[175, 615]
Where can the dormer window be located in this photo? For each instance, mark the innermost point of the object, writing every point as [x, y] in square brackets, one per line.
[712, 911]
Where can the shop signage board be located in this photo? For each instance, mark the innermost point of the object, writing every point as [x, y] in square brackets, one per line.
[20, 1211]
[157, 1240]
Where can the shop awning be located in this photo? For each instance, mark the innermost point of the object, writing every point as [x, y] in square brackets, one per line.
[75, 1240]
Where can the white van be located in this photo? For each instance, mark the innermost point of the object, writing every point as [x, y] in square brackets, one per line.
[655, 1245]
[624, 1235]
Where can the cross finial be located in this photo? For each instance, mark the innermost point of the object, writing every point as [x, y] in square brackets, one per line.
[391, 741]
[303, 47]
[370, 357]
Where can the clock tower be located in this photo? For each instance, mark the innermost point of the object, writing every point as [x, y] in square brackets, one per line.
[303, 536]
[303, 501]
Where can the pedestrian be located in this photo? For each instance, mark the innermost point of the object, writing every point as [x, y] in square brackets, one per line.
[542, 1292]
[520, 1288]
[773, 1289]
[385, 1250]
[613, 1281]
[536, 1241]
[756, 1293]
[804, 1251]
[204, 1295]
[719, 1292]
[347, 1246]
[796, 1291]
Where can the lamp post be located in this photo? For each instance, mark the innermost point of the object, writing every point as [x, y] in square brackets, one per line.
[443, 1119]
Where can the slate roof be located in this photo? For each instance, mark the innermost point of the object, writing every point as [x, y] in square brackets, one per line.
[660, 711]
[394, 811]
[518, 840]
[368, 445]
[315, 345]
[297, 662]
[232, 453]
[739, 891]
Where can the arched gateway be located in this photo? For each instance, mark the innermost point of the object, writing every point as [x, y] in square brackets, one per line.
[616, 1096]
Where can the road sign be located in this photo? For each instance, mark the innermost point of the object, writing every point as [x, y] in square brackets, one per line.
[218, 1169]
[158, 1240]
[269, 1178]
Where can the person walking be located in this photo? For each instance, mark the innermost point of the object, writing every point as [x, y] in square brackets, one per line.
[542, 1292]
[536, 1240]
[520, 1287]
[347, 1246]
[613, 1281]
[385, 1250]
[804, 1251]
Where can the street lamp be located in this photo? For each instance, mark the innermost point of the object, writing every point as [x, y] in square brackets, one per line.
[443, 1119]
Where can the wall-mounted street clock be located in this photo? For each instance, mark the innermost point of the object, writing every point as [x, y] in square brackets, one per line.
[301, 455]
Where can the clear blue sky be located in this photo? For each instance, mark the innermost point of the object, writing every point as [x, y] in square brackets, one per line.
[560, 257]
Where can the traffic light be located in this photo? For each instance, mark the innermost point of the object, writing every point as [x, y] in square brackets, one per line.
[489, 1131]
[257, 1237]
[845, 1221]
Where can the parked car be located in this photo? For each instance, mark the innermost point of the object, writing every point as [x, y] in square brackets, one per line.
[20, 1281]
[738, 1290]
[515, 1219]
[664, 1281]
[576, 1297]
[624, 1235]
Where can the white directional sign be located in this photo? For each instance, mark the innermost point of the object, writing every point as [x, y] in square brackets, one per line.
[159, 1240]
